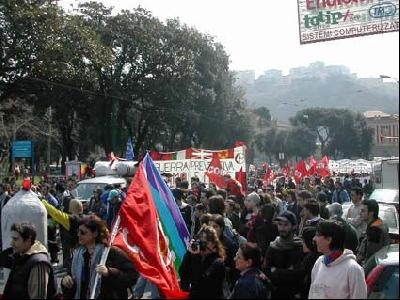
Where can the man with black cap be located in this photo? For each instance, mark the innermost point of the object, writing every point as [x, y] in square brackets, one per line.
[283, 257]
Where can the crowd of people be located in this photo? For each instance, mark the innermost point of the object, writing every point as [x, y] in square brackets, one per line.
[280, 240]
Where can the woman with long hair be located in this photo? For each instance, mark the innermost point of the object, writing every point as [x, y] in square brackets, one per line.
[117, 275]
[202, 271]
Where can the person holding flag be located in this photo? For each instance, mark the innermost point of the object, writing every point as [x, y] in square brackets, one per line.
[151, 230]
[117, 273]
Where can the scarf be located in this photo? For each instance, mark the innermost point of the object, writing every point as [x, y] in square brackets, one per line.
[78, 266]
[328, 259]
[288, 243]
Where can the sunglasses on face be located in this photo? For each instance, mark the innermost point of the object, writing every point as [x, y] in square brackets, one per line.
[82, 232]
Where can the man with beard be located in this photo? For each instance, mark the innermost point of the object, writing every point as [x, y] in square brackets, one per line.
[283, 257]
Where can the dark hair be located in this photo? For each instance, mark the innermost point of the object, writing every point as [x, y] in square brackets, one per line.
[307, 236]
[305, 195]
[293, 195]
[268, 212]
[252, 252]
[222, 193]
[270, 187]
[322, 197]
[357, 190]
[95, 224]
[210, 193]
[219, 220]
[313, 206]
[26, 230]
[335, 231]
[216, 205]
[204, 219]
[233, 205]
[200, 206]
[184, 184]
[373, 206]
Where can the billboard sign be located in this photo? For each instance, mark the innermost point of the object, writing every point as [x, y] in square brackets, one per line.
[22, 149]
[324, 20]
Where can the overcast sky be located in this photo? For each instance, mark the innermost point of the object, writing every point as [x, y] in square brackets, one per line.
[263, 34]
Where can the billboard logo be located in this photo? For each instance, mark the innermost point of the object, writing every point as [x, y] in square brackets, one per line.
[381, 10]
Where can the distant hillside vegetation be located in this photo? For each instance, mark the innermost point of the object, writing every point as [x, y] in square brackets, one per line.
[284, 95]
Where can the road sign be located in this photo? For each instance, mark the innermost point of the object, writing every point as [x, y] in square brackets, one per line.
[22, 149]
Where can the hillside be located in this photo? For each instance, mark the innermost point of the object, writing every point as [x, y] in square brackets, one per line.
[284, 95]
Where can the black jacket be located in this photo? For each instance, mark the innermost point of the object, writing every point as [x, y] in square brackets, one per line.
[122, 275]
[20, 275]
[203, 278]
[282, 264]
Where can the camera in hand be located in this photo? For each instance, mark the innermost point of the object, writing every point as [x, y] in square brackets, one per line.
[198, 245]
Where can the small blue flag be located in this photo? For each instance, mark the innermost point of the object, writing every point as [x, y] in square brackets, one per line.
[129, 149]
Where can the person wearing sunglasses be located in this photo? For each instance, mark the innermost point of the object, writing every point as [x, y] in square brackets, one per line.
[117, 275]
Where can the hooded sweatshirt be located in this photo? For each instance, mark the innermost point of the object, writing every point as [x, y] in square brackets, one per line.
[341, 279]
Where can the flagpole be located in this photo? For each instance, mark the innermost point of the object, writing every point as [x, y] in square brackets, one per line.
[105, 254]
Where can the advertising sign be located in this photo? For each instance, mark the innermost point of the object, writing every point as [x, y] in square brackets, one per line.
[324, 20]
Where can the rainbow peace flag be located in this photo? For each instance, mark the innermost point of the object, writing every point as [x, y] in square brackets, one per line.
[170, 216]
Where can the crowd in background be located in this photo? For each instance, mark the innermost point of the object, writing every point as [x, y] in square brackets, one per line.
[260, 241]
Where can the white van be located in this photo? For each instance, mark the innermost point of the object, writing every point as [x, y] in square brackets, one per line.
[85, 188]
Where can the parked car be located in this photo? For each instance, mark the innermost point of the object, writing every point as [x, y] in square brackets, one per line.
[382, 273]
[388, 214]
[86, 187]
[387, 196]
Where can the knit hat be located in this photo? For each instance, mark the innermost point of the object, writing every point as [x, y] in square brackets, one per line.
[287, 216]
[254, 197]
[112, 194]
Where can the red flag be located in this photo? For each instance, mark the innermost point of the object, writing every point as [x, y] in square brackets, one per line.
[301, 171]
[142, 238]
[269, 175]
[241, 177]
[214, 172]
[323, 169]
[313, 165]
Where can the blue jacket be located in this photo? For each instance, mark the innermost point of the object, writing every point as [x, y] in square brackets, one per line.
[250, 286]
[340, 196]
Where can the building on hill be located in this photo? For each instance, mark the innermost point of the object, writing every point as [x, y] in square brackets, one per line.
[245, 78]
[386, 133]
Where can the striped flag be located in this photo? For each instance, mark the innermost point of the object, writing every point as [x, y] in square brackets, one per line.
[152, 230]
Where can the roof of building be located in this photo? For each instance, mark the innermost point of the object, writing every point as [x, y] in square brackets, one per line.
[375, 114]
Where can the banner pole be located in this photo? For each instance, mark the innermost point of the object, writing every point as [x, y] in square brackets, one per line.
[105, 254]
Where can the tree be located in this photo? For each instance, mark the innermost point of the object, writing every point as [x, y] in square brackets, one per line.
[264, 116]
[301, 142]
[339, 131]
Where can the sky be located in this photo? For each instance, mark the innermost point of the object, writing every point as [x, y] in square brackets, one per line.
[264, 34]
